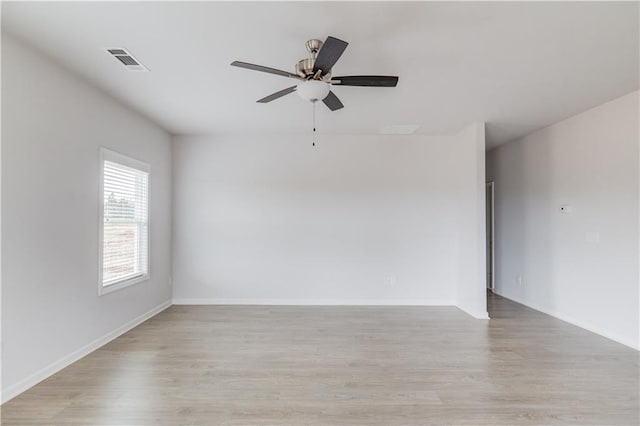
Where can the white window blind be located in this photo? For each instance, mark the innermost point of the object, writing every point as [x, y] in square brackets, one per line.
[125, 222]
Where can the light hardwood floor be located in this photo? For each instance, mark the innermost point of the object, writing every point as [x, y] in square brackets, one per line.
[209, 365]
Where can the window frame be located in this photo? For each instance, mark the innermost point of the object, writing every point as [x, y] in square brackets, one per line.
[116, 157]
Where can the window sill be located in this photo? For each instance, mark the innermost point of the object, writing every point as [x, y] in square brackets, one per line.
[102, 289]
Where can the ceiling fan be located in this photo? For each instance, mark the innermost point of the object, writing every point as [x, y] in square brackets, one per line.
[314, 74]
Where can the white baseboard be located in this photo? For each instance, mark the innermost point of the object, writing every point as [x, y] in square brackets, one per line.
[604, 333]
[317, 302]
[475, 314]
[34, 379]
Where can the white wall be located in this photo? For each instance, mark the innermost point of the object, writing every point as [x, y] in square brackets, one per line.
[52, 128]
[354, 220]
[471, 296]
[589, 162]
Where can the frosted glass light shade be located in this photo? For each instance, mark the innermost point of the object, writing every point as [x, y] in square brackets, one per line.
[313, 90]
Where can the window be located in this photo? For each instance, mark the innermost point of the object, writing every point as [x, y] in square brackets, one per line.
[124, 221]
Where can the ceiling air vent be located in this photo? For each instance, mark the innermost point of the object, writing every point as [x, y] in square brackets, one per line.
[127, 59]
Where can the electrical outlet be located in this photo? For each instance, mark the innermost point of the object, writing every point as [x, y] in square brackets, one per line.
[592, 237]
[390, 280]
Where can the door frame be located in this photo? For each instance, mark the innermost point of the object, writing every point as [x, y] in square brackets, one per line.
[490, 188]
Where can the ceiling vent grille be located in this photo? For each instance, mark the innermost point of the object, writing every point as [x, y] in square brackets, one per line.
[399, 129]
[127, 59]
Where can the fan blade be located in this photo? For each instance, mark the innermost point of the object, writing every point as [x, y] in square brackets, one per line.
[366, 80]
[277, 95]
[255, 67]
[329, 54]
[332, 102]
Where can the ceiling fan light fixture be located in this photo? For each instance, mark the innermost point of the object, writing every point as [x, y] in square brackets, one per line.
[313, 90]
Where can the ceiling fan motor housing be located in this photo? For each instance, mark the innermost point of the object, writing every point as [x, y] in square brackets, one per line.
[305, 67]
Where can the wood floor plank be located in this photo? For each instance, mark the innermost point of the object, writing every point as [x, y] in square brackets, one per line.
[291, 365]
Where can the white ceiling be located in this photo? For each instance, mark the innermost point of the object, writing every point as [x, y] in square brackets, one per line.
[517, 66]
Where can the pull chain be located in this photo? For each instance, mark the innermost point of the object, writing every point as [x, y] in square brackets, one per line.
[314, 123]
